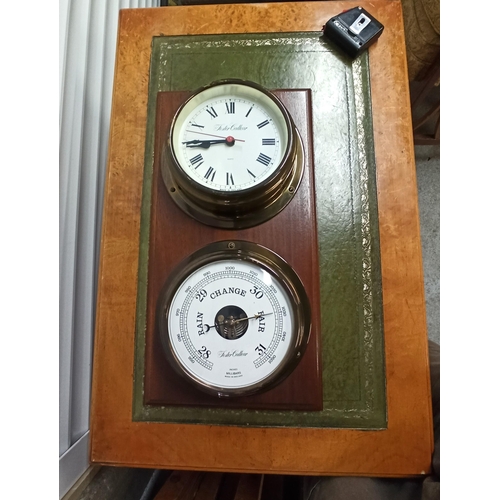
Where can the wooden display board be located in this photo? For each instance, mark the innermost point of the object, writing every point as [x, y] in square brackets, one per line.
[300, 390]
[403, 446]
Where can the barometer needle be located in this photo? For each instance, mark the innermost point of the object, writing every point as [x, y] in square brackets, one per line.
[255, 316]
[231, 321]
[207, 327]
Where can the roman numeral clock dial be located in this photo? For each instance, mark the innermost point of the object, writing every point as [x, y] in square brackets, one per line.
[236, 136]
[233, 157]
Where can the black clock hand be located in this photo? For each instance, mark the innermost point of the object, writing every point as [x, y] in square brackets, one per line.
[214, 135]
[195, 143]
[203, 144]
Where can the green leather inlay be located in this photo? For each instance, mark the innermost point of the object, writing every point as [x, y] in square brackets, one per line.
[346, 200]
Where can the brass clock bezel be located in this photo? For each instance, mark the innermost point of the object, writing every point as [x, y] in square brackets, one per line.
[243, 208]
[279, 269]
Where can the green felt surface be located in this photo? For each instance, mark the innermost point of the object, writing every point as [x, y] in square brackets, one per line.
[346, 201]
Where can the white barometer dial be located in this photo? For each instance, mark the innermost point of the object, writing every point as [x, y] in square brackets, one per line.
[233, 157]
[234, 319]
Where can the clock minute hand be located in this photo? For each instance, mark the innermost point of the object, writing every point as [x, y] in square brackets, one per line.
[230, 140]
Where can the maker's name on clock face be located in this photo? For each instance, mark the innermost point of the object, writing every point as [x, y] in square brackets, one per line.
[230, 324]
[230, 137]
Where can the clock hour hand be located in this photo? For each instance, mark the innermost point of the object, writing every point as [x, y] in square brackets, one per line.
[196, 143]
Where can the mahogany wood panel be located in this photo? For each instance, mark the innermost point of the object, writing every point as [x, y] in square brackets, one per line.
[292, 234]
[405, 447]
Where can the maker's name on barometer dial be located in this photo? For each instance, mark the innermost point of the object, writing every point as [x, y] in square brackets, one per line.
[234, 319]
[233, 157]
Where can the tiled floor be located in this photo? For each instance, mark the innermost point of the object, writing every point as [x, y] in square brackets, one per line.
[427, 164]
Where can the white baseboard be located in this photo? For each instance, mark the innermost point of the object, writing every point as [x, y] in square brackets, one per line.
[73, 464]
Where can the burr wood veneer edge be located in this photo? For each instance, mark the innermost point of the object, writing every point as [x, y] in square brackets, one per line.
[405, 447]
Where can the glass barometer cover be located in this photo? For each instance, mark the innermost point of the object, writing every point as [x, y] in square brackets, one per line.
[234, 319]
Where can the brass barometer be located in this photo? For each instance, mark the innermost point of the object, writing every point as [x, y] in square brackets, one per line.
[234, 319]
[233, 157]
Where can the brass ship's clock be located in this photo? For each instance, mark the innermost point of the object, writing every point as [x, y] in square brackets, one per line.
[233, 158]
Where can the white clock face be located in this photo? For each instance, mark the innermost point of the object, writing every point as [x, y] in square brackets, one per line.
[230, 137]
[230, 324]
